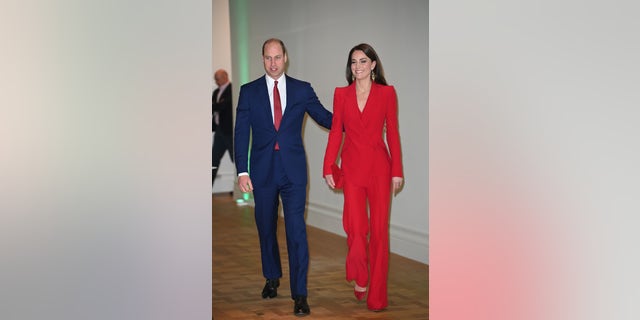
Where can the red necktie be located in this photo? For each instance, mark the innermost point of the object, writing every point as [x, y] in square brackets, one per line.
[277, 109]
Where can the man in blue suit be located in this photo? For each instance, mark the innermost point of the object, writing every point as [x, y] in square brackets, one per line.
[271, 110]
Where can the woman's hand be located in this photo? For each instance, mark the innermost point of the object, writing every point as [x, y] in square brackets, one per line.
[397, 183]
[329, 179]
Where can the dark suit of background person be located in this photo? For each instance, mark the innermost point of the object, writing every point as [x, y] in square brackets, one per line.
[281, 173]
[222, 122]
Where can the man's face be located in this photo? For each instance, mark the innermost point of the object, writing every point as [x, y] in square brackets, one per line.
[220, 78]
[274, 59]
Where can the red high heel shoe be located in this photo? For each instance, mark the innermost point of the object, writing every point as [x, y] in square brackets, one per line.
[359, 292]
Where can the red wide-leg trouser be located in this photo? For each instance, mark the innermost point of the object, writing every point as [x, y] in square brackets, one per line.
[368, 261]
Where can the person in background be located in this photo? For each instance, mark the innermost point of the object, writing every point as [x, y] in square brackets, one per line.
[222, 109]
[364, 112]
[270, 114]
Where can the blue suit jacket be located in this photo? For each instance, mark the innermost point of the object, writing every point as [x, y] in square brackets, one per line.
[253, 117]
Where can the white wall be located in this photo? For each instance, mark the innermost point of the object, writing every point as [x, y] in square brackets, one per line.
[318, 36]
[221, 45]
[221, 59]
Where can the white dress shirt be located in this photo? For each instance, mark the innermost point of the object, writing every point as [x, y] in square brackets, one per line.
[282, 89]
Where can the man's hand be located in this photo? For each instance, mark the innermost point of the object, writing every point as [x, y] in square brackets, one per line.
[244, 182]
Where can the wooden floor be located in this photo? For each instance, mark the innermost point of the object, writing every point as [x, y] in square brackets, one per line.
[238, 281]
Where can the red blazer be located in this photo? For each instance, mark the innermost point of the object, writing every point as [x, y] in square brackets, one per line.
[364, 153]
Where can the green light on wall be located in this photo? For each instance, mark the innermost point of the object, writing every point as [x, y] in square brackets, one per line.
[239, 17]
[240, 38]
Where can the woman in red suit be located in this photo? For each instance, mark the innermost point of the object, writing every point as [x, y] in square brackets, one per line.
[365, 111]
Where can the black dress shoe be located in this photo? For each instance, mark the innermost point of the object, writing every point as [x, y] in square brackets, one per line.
[270, 288]
[301, 307]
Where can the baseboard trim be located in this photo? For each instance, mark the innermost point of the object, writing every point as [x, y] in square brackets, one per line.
[406, 242]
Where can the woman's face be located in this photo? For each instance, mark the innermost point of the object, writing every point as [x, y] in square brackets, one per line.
[361, 65]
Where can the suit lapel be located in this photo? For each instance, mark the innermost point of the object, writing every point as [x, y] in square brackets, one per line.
[352, 101]
[227, 90]
[263, 95]
[290, 98]
[371, 101]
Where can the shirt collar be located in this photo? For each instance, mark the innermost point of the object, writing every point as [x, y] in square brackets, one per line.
[270, 80]
[223, 87]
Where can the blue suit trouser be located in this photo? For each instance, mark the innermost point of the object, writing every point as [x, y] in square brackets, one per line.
[266, 215]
